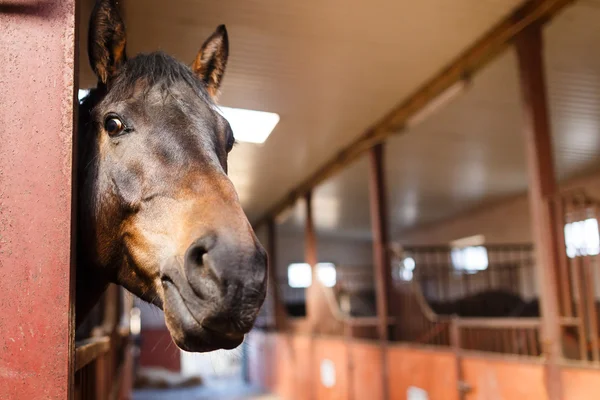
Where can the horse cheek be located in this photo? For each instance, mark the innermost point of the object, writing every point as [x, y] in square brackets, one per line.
[128, 186]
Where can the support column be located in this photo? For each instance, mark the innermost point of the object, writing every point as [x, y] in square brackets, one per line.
[314, 298]
[381, 262]
[542, 188]
[380, 238]
[37, 114]
[278, 309]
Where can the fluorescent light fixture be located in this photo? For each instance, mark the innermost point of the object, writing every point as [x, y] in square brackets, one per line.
[470, 259]
[441, 100]
[249, 125]
[300, 274]
[582, 238]
[327, 274]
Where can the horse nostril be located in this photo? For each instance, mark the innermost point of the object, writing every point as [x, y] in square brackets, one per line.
[196, 256]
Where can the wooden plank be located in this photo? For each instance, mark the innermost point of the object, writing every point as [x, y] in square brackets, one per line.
[581, 383]
[498, 323]
[493, 43]
[334, 352]
[542, 189]
[498, 379]
[38, 71]
[365, 379]
[90, 350]
[432, 371]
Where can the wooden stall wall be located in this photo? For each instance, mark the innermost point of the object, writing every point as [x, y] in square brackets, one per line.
[579, 383]
[490, 379]
[330, 355]
[365, 371]
[419, 369]
[290, 366]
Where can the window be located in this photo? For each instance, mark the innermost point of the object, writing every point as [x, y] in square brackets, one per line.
[406, 269]
[327, 274]
[300, 275]
[470, 259]
[582, 238]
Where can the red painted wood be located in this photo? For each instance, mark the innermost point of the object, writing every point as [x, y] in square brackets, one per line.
[158, 350]
[37, 97]
[542, 189]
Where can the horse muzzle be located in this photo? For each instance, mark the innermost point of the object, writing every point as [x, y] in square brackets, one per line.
[213, 299]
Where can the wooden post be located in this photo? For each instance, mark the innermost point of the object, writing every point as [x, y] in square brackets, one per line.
[38, 70]
[542, 187]
[312, 293]
[381, 262]
[278, 309]
[379, 229]
[316, 306]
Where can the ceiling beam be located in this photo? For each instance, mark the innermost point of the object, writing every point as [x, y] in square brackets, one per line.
[494, 42]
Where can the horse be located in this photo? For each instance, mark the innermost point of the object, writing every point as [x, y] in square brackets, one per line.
[157, 213]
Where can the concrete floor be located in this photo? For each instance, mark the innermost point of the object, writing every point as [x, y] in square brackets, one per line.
[225, 390]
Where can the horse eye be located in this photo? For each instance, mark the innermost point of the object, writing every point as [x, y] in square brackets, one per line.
[230, 139]
[113, 126]
[230, 143]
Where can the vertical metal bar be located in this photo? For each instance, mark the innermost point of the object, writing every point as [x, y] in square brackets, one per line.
[506, 347]
[520, 337]
[532, 347]
[542, 188]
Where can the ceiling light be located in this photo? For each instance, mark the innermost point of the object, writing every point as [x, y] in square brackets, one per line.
[82, 93]
[249, 125]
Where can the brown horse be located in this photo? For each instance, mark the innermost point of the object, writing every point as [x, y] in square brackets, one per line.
[157, 213]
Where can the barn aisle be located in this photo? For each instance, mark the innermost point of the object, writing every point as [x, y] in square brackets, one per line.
[225, 390]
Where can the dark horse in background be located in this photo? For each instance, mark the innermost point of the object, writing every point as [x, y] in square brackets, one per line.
[157, 213]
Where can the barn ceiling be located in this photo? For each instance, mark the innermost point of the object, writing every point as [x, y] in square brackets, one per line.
[330, 69]
[472, 151]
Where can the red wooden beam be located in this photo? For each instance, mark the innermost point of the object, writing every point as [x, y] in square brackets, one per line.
[542, 188]
[37, 114]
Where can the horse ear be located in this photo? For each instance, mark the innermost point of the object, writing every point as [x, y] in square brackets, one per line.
[211, 60]
[106, 40]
